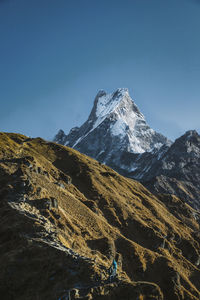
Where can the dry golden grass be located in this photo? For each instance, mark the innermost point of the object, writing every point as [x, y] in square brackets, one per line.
[101, 213]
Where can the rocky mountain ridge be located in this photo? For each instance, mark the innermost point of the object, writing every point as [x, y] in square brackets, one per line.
[64, 216]
[178, 171]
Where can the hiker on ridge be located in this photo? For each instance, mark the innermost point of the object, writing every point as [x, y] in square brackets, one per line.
[113, 269]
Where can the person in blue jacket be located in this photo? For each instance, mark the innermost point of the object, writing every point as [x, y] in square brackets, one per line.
[113, 269]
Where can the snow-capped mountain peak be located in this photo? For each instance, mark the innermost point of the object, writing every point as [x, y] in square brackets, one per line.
[122, 112]
[115, 126]
[107, 102]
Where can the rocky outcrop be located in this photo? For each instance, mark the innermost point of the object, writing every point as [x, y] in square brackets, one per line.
[178, 171]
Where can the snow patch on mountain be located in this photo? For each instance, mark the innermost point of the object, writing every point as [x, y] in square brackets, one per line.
[119, 128]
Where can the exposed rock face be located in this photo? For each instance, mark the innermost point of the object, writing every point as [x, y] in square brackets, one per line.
[115, 129]
[178, 171]
[63, 217]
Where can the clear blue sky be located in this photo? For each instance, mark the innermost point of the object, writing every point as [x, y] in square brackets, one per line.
[56, 54]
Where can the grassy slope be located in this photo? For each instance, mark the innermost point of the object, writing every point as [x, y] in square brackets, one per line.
[99, 213]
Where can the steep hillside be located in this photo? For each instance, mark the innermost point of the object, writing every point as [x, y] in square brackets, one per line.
[63, 217]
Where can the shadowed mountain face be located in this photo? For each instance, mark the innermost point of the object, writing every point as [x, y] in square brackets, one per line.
[63, 217]
[178, 171]
[117, 135]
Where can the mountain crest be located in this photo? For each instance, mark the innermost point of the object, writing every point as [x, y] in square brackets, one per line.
[188, 142]
[190, 135]
[106, 103]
